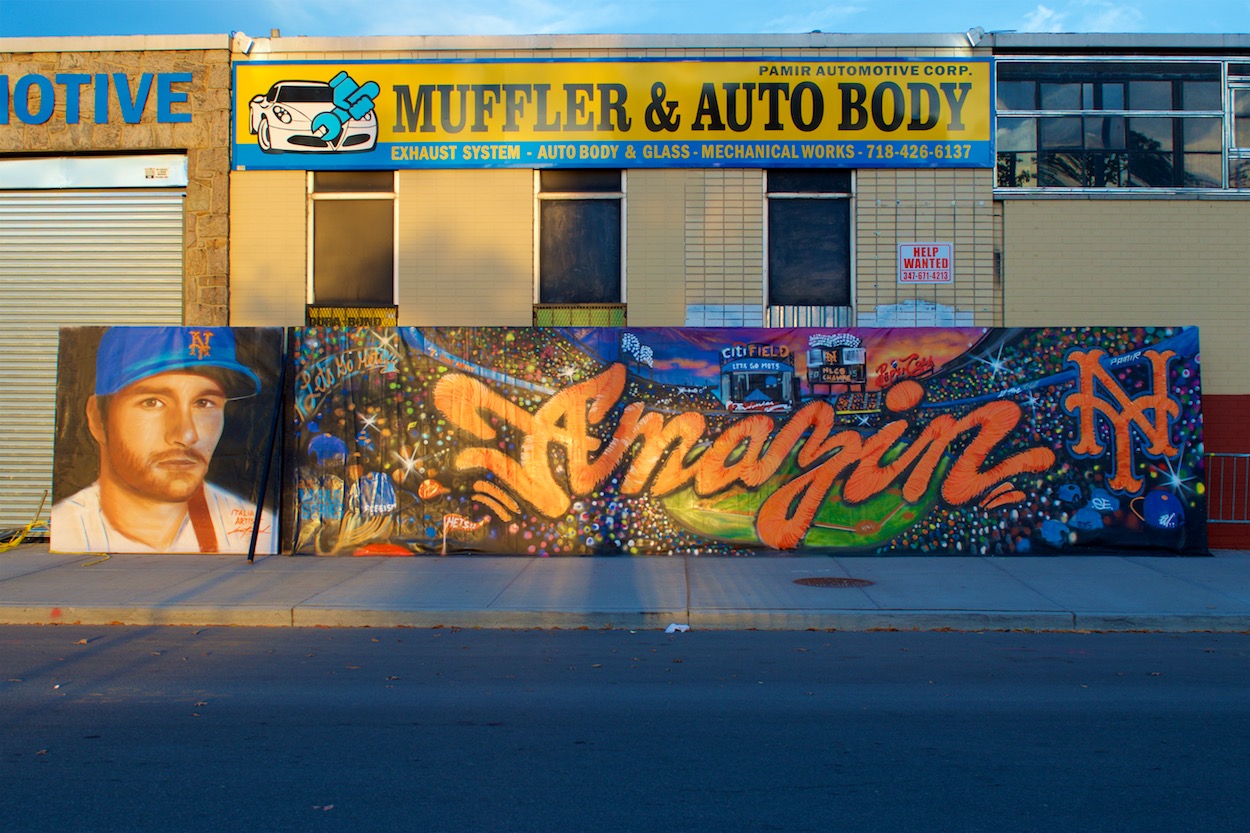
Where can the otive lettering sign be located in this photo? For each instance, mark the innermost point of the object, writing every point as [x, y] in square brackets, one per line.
[72, 97]
[750, 112]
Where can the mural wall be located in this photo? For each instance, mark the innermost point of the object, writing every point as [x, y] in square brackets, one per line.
[582, 441]
[162, 437]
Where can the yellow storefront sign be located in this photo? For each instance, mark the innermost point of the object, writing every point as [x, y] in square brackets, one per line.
[624, 113]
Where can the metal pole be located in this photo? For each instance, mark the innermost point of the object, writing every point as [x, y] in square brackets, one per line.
[275, 425]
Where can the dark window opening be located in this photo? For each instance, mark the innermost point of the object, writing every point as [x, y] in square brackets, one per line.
[809, 238]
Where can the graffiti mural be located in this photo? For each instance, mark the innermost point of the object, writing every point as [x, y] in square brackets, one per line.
[648, 441]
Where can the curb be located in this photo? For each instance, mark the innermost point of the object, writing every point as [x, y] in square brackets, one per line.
[308, 616]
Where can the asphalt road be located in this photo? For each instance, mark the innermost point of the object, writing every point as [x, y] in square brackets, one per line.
[236, 729]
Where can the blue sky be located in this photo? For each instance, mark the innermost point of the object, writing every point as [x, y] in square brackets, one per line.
[26, 18]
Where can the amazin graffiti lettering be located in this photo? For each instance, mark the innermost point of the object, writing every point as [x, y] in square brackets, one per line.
[560, 441]
[747, 454]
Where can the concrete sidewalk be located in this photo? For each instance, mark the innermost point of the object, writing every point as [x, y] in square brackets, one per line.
[1104, 592]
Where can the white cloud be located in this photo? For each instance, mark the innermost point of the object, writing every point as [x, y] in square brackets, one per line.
[1085, 16]
[1043, 19]
[1101, 16]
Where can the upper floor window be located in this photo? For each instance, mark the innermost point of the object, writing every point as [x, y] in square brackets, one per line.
[1239, 104]
[580, 237]
[353, 238]
[809, 238]
[1110, 124]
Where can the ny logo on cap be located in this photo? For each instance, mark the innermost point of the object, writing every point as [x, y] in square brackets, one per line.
[200, 343]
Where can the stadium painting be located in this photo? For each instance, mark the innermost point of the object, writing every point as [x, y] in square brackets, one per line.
[659, 441]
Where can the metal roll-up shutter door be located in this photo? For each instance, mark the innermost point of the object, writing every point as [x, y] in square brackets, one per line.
[71, 258]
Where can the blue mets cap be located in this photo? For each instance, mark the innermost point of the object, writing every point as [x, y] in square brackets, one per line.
[128, 354]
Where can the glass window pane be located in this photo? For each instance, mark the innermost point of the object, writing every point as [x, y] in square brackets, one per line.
[1241, 102]
[1104, 133]
[1017, 170]
[1203, 135]
[1201, 95]
[1016, 95]
[1151, 170]
[1112, 96]
[353, 252]
[1061, 170]
[1203, 170]
[1150, 134]
[809, 253]
[580, 181]
[340, 182]
[1017, 134]
[809, 182]
[1150, 95]
[1061, 96]
[1241, 118]
[1106, 170]
[579, 252]
[1239, 173]
[1059, 132]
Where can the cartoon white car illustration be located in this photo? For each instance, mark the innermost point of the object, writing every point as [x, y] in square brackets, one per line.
[313, 116]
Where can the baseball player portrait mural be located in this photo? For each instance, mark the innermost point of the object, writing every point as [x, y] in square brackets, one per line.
[161, 448]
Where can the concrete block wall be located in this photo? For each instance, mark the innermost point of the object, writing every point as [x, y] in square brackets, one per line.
[895, 206]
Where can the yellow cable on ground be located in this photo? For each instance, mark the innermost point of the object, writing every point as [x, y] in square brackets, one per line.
[34, 526]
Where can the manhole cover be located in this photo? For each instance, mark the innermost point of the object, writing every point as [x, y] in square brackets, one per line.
[832, 581]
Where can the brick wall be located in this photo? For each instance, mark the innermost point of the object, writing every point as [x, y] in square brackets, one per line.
[724, 248]
[1143, 262]
[655, 247]
[1136, 262]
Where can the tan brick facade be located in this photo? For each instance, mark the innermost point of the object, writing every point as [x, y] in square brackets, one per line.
[1135, 262]
[695, 238]
[268, 248]
[466, 248]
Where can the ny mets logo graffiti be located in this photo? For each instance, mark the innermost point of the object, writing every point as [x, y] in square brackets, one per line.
[200, 347]
[1151, 414]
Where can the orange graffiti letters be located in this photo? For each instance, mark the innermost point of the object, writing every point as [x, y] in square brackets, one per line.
[665, 454]
[1151, 413]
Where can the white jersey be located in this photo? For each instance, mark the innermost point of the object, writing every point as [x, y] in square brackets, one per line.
[78, 525]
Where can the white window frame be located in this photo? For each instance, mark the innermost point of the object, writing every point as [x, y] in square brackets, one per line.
[851, 238]
[314, 197]
[540, 196]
